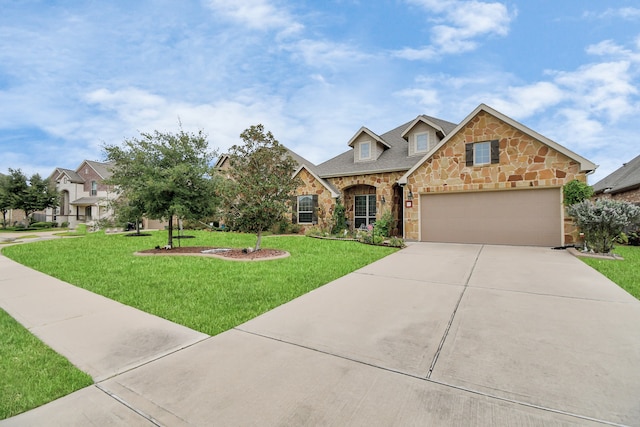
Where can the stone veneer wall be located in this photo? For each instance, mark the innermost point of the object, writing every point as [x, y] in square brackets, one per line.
[524, 163]
[383, 183]
[326, 203]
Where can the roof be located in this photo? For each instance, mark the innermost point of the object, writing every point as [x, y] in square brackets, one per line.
[585, 165]
[71, 174]
[395, 158]
[86, 201]
[370, 133]
[627, 177]
[102, 169]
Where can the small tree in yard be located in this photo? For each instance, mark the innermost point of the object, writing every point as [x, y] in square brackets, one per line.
[603, 220]
[165, 175]
[256, 197]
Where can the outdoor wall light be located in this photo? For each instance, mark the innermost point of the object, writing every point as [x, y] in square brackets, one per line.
[410, 195]
[382, 199]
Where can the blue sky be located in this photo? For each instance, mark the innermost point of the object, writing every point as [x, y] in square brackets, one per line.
[75, 75]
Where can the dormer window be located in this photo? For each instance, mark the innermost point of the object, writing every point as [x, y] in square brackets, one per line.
[365, 150]
[422, 142]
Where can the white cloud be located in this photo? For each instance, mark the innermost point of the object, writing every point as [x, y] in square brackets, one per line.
[520, 102]
[459, 25]
[257, 15]
[326, 54]
[628, 13]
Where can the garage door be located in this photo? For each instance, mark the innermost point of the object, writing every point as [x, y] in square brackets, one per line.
[515, 217]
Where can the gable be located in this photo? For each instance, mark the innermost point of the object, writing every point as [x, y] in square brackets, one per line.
[518, 144]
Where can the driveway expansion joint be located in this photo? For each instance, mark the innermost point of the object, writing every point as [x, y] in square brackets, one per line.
[453, 314]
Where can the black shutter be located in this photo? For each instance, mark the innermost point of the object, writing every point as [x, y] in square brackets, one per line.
[495, 151]
[314, 216]
[468, 151]
[294, 209]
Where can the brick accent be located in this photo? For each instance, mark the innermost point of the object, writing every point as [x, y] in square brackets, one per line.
[631, 196]
[524, 162]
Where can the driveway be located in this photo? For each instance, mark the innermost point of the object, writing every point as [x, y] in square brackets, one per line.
[436, 334]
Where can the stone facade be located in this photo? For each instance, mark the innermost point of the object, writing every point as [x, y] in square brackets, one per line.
[326, 203]
[524, 162]
[381, 184]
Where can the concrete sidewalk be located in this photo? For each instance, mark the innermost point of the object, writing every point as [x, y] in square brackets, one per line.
[435, 334]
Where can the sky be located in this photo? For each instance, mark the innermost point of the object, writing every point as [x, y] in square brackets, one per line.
[78, 75]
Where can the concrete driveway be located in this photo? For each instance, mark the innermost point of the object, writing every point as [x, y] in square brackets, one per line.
[436, 334]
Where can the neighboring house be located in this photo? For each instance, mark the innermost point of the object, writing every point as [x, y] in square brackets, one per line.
[622, 184]
[488, 179]
[84, 197]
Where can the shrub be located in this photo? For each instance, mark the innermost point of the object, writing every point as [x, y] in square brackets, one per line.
[65, 224]
[634, 238]
[339, 218]
[41, 224]
[384, 225]
[575, 192]
[603, 220]
[396, 242]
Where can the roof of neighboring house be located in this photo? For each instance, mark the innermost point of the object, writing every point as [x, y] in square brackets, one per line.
[103, 169]
[395, 158]
[627, 177]
[585, 165]
[86, 201]
[71, 174]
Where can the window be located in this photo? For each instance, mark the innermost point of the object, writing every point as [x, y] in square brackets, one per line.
[422, 142]
[365, 210]
[482, 153]
[305, 210]
[94, 188]
[365, 150]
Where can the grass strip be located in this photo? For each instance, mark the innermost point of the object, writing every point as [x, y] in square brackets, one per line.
[626, 273]
[32, 373]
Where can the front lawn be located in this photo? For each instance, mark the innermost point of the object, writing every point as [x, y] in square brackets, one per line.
[625, 273]
[209, 295]
[32, 373]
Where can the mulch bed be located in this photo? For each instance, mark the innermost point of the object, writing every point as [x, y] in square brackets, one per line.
[230, 254]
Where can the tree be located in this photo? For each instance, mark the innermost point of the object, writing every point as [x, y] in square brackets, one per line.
[165, 175]
[575, 192]
[603, 220]
[31, 194]
[6, 201]
[261, 182]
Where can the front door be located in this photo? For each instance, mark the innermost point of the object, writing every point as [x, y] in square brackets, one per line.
[365, 210]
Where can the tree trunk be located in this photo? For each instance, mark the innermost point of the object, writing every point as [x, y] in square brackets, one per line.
[170, 241]
[138, 220]
[259, 240]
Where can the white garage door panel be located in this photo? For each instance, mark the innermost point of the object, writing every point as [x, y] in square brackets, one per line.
[517, 217]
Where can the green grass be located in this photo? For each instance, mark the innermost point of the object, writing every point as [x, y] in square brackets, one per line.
[625, 273]
[31, 373]
[206, 294]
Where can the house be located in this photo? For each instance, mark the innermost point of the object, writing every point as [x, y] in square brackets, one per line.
[621, 184]
[488, 179]
[84, 197]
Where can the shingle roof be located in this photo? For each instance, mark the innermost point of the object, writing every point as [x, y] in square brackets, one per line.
[103, 169]
[396, 158]
[73, 175]
[625, 178]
